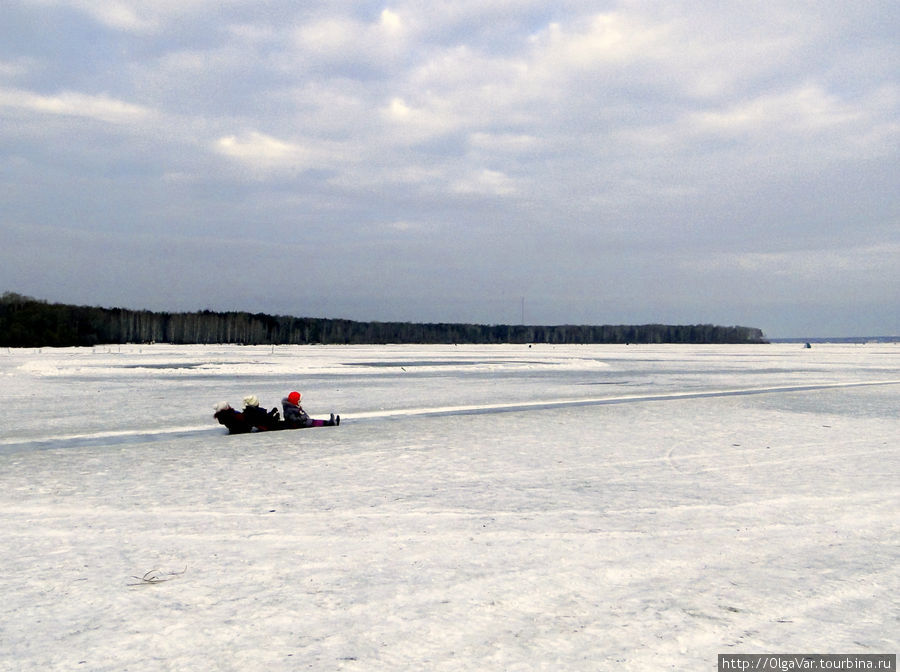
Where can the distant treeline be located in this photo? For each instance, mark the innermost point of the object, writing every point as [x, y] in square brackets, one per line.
[29, 322]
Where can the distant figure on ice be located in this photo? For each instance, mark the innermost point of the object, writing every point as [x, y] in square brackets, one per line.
[257, 416]
[232, 419]
[295, 416]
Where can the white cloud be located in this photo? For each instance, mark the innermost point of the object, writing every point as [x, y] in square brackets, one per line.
[390, 22]
[342, 39]
[510, 143]
[138, 16]
[17, 67]
[453, 90]
[608, 38]
[808, 265]
[412, 125]
[486, 183]
[406, 226]
[804, 127]
[120, 14]
[806, 109]
[132, 16]
[398, 110]
[329, 36]
[263, 151]
[73, 104]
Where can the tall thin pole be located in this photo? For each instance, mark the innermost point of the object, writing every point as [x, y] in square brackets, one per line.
[523, 311]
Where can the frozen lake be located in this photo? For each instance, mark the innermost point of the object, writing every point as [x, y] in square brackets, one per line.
[480, 507]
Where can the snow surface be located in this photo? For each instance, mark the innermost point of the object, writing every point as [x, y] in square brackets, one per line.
[479, 508]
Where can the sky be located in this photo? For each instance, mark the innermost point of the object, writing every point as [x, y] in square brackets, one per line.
[487, 161]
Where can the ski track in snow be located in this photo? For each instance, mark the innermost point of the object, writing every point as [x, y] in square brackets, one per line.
[600, 401]
[140, 436]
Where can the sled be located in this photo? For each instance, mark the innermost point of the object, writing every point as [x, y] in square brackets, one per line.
[236, 423]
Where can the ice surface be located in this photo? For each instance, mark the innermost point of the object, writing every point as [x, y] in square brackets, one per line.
[480, 507]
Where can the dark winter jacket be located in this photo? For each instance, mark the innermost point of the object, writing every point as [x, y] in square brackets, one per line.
[294, 415]
[234, 421]
[260, 418]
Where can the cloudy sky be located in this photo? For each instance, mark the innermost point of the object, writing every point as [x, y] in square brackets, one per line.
[599, 162]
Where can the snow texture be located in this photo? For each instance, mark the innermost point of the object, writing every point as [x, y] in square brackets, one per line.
[479, 508]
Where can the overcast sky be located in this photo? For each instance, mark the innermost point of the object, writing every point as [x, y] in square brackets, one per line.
[607, 162]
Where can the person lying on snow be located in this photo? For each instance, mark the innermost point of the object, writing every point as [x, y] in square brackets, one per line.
[259, 417]
[232, 419]
[295, 416]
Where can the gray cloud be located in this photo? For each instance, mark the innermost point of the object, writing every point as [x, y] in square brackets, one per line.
[636, 162]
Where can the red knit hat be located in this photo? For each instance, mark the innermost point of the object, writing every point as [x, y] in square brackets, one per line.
[294, 397]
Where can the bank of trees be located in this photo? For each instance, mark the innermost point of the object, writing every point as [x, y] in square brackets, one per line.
[28, 322]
